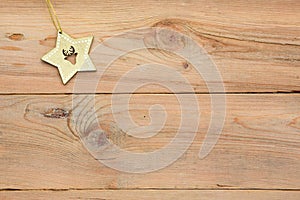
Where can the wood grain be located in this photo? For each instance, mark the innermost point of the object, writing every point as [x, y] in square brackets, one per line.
[255, 45]
[152, 194]
[259, 146]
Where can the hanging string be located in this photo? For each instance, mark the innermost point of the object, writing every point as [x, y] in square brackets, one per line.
[53, 16]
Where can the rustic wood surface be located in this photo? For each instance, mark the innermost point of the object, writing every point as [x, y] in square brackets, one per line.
[259, 147]
[256, 47]
[153, 194]
[254, 44]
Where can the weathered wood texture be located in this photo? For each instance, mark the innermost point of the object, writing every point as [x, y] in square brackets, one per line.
[254, 44]
[153, 194]
[259, 146]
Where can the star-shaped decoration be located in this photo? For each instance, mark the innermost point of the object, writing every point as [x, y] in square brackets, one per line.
[70, 56]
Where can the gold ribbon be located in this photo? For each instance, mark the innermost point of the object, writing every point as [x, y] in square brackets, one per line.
[53, 16]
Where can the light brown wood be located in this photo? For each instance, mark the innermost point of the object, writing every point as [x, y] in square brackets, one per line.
[259, 146]
[254, 44]
[152, 194]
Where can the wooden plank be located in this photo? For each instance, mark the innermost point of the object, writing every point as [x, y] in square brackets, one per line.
[259, 146]
[152, 194]
[255, 45]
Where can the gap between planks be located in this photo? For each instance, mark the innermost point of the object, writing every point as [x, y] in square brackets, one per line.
[146, 93]
[149, 189]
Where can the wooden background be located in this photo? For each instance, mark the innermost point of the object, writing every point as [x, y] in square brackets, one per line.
[256, 47]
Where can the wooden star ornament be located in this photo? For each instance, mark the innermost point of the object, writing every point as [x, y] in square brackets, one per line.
[70, 56]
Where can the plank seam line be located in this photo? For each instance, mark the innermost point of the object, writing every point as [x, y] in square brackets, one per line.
[107, 93]
[149, 189]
